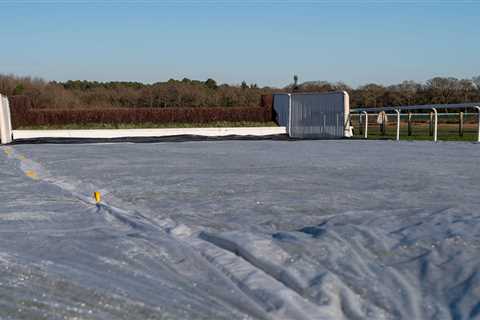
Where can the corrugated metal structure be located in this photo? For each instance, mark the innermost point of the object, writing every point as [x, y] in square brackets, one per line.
[281, 105]
[5, 121]
[314, 115]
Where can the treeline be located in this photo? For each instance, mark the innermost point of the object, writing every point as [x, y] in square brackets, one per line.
[91, 94]
[188, 93]
[437, 90]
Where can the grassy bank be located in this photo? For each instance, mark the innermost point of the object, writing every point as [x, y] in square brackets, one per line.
[221, 124]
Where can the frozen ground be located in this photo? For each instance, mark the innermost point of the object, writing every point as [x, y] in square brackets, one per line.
[241, 229]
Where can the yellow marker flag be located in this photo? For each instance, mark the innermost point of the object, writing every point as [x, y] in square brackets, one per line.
[31, 174]
[97, 196]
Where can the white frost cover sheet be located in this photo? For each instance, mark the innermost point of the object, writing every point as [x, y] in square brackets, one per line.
[240, 230]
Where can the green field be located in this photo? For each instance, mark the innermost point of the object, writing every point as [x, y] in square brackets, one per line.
[446, 132]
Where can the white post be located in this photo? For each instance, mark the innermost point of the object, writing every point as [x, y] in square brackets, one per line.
[478, 124]
[435, 126]
[3, 133]
[398, 124]
[347, 130]
[366, 125]
[5, 121]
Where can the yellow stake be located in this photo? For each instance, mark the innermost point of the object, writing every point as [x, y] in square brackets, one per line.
[97, 196]
[31, 174]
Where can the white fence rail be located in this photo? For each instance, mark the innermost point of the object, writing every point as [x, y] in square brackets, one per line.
[365, 112]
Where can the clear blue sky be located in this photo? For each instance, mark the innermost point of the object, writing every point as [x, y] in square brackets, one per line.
[265, 42]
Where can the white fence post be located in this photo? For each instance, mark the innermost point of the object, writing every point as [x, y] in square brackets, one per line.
[366, 125]
[435, 125]
[398, 124]
[478, 124]
[5, 121]
[347, 129]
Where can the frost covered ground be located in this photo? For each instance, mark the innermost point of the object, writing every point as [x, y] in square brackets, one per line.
[241, 230]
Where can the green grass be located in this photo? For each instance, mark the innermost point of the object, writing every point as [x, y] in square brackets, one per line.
[221, 124]
[419, 133]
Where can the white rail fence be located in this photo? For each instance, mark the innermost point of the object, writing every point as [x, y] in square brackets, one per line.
[365, 112]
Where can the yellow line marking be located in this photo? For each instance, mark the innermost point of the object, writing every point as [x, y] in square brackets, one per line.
[21, 157]
[8, 151]
[31, 174]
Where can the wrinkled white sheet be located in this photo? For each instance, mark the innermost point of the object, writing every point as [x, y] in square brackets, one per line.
[241, 229]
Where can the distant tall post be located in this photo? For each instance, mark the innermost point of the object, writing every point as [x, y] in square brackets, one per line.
[295, 82]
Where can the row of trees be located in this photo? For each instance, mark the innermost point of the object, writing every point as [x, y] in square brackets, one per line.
[92, 94]
[437, 90]
[193, 93]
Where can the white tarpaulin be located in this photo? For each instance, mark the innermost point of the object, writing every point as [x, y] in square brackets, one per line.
[271, 230]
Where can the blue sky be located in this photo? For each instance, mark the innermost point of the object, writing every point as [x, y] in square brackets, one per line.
[265, 42]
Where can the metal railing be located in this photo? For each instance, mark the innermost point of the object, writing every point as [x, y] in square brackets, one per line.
[434, 108]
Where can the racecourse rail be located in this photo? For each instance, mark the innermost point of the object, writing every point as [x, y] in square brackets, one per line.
[433, 107]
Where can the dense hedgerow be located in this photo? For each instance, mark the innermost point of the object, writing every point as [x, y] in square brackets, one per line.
[33, 117]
